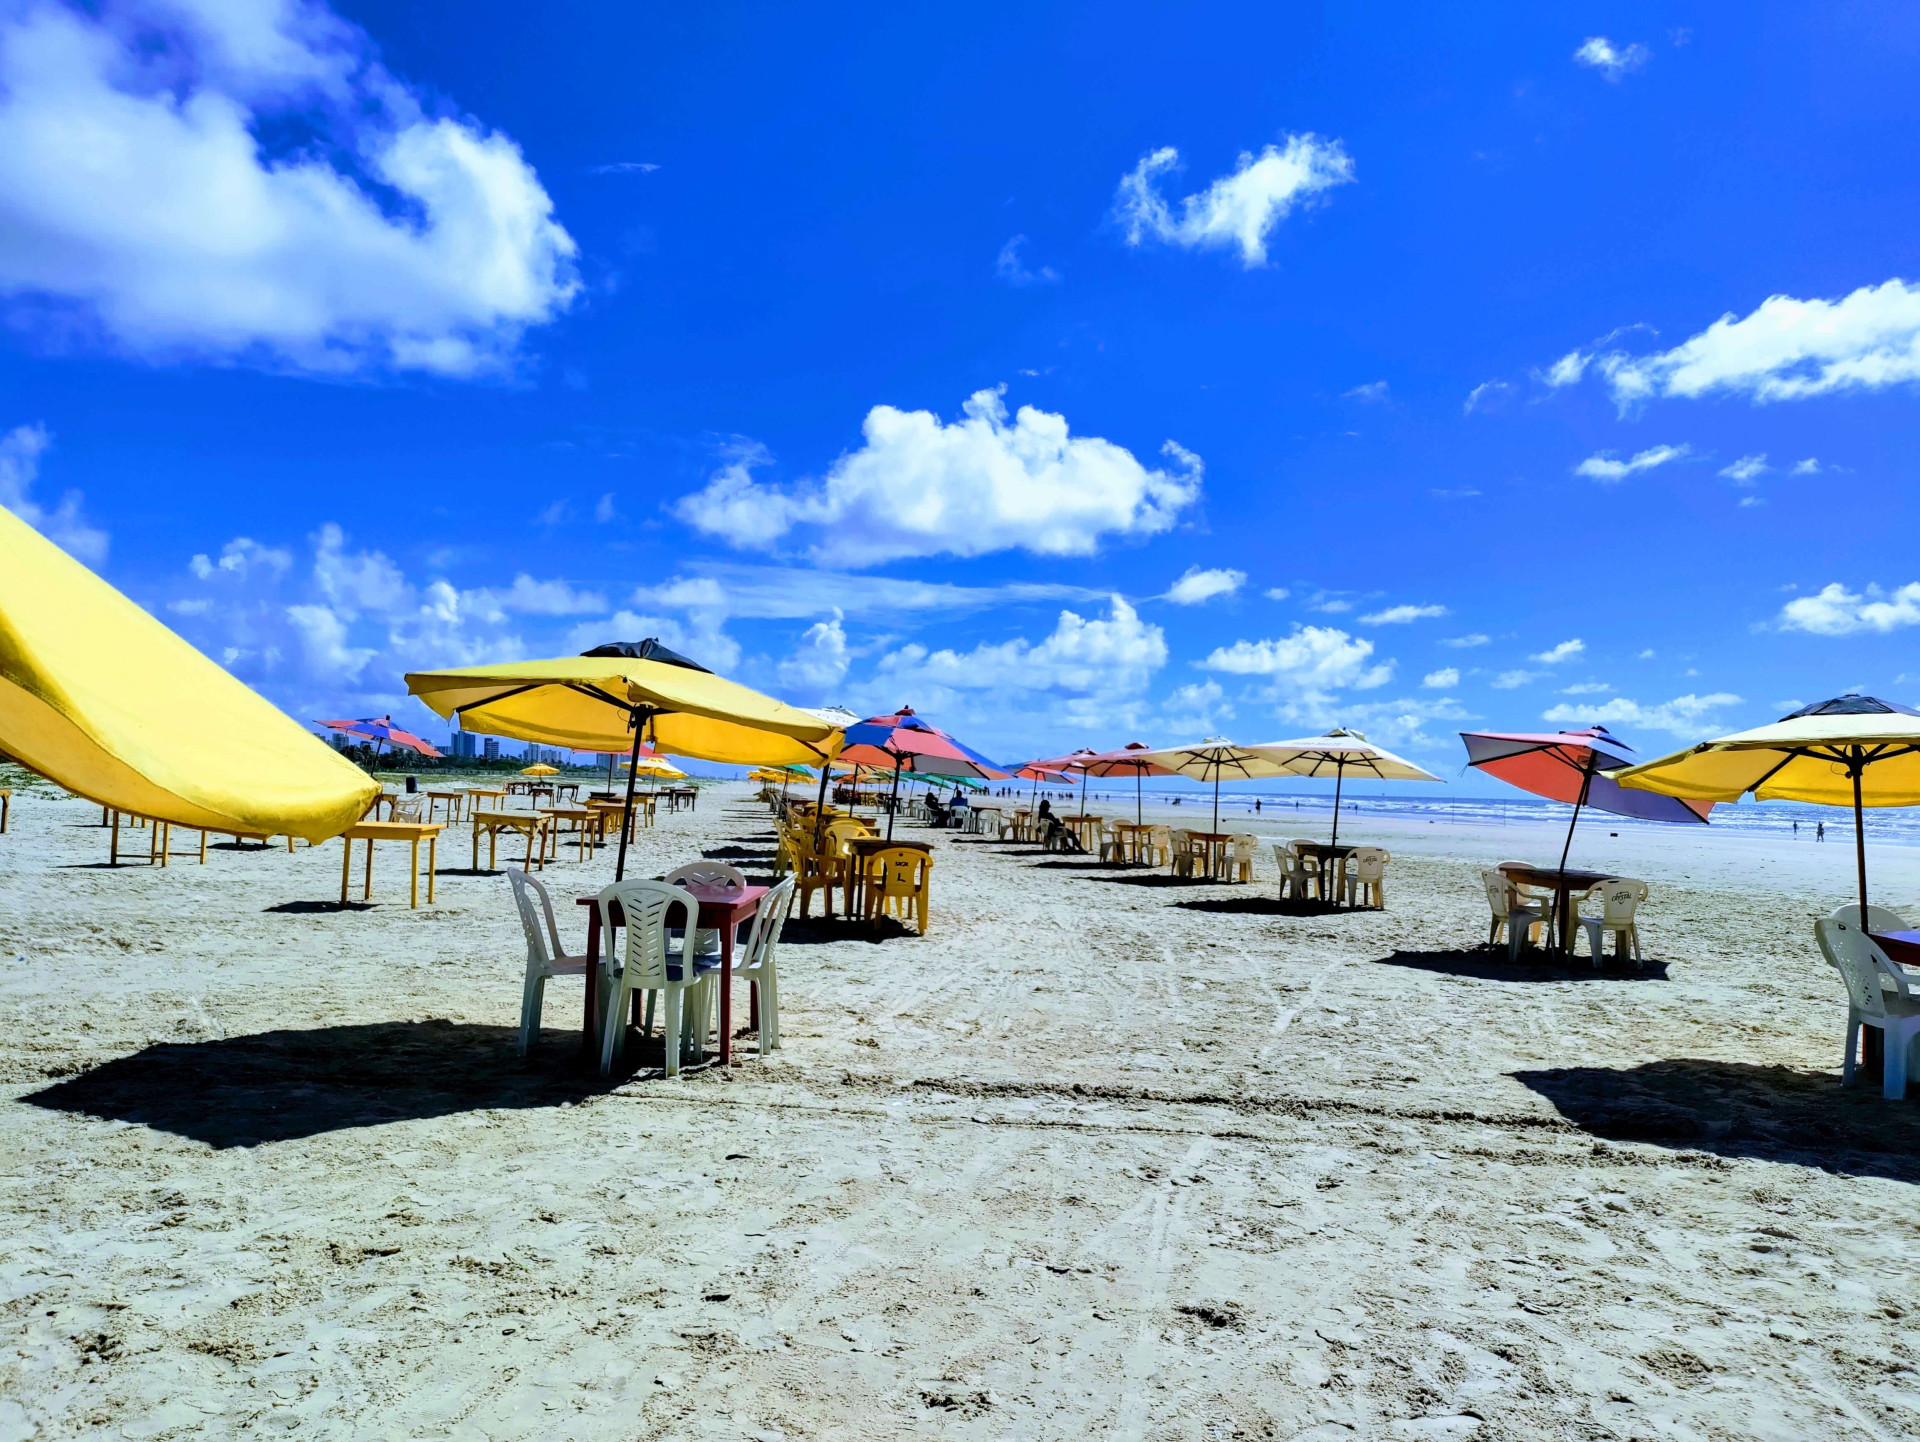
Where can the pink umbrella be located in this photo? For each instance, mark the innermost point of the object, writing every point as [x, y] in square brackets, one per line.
[1120, 763]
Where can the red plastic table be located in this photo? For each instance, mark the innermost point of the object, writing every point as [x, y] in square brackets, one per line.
[720, 911]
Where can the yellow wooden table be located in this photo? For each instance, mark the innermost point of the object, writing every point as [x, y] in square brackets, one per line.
[588, 827]
[1086, 830]
[454, 800]
[491, 793]
[495, 822]
[372, 831]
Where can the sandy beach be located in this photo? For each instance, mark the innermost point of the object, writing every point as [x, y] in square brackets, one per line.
[1105, 1154]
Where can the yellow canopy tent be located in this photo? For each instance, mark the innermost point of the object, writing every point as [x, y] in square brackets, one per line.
[1853, 751]
[99, 696]
[624, 695]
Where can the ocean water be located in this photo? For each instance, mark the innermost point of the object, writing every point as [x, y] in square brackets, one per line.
[1893, 825]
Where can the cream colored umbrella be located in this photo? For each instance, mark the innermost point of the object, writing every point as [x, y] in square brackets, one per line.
[1337, 753]
[1853, 750]
[1212, 759]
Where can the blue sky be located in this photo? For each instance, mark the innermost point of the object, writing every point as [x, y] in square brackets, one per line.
[1072, 374]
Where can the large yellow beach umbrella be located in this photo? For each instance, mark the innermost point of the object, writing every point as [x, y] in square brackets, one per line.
[622, 695]
[1853, 751]
[539, 768]
[99, 696]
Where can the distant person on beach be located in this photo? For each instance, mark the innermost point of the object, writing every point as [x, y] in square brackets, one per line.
[1256, 803]
[1796, 828]
[1820, 832]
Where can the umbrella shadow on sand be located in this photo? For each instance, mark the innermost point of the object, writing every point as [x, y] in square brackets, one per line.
[1736, 1109]
[819, 930]
[1265, 906]
[277, 1086]
[1491, 964]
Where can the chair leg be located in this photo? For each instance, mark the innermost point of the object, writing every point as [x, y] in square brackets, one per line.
[612, 1023]
[1897, 1040]
[531, 997]
[646, 1027]
[1848, 1062]
[670, 1030]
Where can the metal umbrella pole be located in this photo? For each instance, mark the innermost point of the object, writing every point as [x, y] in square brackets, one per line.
[1856, 765]
[894, 804]
[1586, 785]
[626, 813]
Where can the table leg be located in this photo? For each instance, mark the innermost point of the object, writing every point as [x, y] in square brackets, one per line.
[413, 877]
[113, 851]
[203, 848]
[346, 866]
[726, 989]
[531, 830]
[589, 1022]
[366, 888]
[476, 848]
[433, 847]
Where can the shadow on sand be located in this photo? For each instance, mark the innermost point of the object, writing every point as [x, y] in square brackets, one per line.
[1491, 964]
[276, 1086]
[1735, 1109]
[322, 908]
[819, 930]
[1264, 906]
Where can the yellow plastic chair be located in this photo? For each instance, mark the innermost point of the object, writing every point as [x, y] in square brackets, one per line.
[897, 884]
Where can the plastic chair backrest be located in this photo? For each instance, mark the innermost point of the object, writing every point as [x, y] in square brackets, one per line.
[530, 897]
[705, 874]
[1619, 895]
[644, 906]
[1879, 918]
[1370, 862]
[1499, 892]
[899, 870]
[768, 920]
[1245, 843]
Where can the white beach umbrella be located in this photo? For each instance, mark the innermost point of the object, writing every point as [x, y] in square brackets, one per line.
[1211, 760]
[1337, 753]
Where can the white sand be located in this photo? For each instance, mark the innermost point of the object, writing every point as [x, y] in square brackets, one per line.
[1088, 1160]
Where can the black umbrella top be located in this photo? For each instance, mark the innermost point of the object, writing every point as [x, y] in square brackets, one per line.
[647, 650]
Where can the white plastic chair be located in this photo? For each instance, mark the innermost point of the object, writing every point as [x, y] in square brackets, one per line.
[1507, 912]
[757, 963]
[1879, 918]
[1294, 880]
[641, 962]
[1180, 851]
[545, 956]
[1323, 880]
[1878, 994]
[1245, 844]
[1364, 881]
[707, 875]
[1619, 896]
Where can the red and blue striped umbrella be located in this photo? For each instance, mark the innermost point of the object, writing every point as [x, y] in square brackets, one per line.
[381, 728]
[905, 743]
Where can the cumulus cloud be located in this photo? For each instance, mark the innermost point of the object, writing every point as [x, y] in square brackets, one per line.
[819, 663]
[66, 524]
[1477, 638]
[1613, 61]
[1444, 679]
[248, 183]
[1238, 211]
[1313, 661]
[1809, 467]
[1566, 650]
[1836, 611]
[1277, 593]
[242, 556]
[1196, 710]
[1607, 469]
[1116, 655]
[1010, 268]
[1196, 586]
[1684, 716]
[1510, 680]
[1400, 615]
[1746, 470]
[1785, 349]
[1566, 371]
[918, 486]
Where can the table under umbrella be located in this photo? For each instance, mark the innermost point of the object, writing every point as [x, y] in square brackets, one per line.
[907, 743]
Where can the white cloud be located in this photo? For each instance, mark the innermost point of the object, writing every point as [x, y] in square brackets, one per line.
[1564, 651]
[528, 597]
[1010, 268]
[921, 487]
[1400, 615]
[1747, 469]
[66, 525]
[1444, 679]
[1685, 716]
[819, 663]
[1510, 680]
[1401, 724]
[697, 637]
[247, 182]
[1486, 396]
[242, 557]
[1566, 371]
[1646, 655]
[1786, 349]
[1197, 586]
[1836, 611]
[323, 640]
[1313, 661]
[1752, 501]
[1586, 688]
[1371, 391]
[1477, 638]
[1609, 59]
[1238, 210]
[1196, 710]
[623, 167]
[1277, 593]
[1117, 655]
[1809, 467]
[603, 510]
[1605, 468]
[794, 593]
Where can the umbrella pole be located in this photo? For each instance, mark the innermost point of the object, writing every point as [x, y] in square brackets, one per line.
[1083, 793]
[626, 813]
[1339, 777]
[1136, 796]
[1860, 840]
[1586, 783]
[1216, 800]
[893, 805]
[819, 818]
